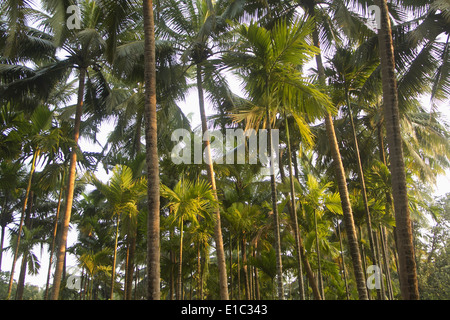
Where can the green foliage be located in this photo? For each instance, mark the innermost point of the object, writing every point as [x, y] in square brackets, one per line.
[268, 46]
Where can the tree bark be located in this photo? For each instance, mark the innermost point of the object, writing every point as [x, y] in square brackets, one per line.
[221, 264]
[405, 246]
[70, 189]
[22, 219]
[151, 139]
[301, 286]
[130, 266]
[340, 176]
[54, 235]
[113, 271]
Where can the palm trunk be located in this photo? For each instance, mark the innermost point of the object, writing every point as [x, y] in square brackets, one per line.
[153, 220]
[113, 271]
[245, 268]
[301, 286]
[362, 181]
[273, 186]
[319, 266]
[231, 267]
[55, 229]
[22, 218]
[386, 263]
[180, 265]
[309, 273]
[341, 180]
[199, 274]
[70, 190]
[2, 239]
[363, 190]
[130, 266]
[405, 246]
[23, 268]
[21, 282]
[343, 261]
[221, 264]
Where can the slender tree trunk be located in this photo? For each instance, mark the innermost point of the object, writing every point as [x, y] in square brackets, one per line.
[309, 273]
[319, 266]
[199, 274]
[180, 265]
[113, 271]
[55, 229]
[245, 268]
[386, 262]
[362, 181]
[238, 270]
[340, 176]
[381, 292]
[273, 186]
[2, 239]
[23, 268]
[388, 205]
[22, 219]
[61, 254]
[153, 219]
[257, 292]
[301, 286]
[22, 274]
[363, 190]
[343, 261]
[221, 264]
[130, 266]
[405, 247]
[231, 268]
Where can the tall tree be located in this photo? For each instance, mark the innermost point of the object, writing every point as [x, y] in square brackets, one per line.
[268, 60]
[151, 148]
[188, 201]
[310, 7]
[197, 25]
[405, 246]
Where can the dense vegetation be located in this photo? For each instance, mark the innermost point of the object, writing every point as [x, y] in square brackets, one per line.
[349, 212]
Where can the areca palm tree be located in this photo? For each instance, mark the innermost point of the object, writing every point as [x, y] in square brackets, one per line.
[122, 193]
[83, 47]
[188, 201]
[197, 26]
[310, 8]
[407, 264]
[269, 59]
[42, 138]
[151, 130]
[347, 78]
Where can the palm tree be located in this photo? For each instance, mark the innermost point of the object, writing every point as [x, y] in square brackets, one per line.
[347, 77]
[315, 201]
[151, 127]
[310, 8]
[269, 59]
[11, 175]
[122, 193]
[188, 201]
[42, 138]
[84, 48]
[405, 247]
[197, 25]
